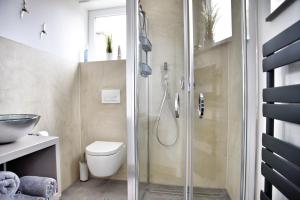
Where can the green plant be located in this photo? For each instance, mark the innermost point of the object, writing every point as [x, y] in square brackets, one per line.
[109, 44]
[210, 15]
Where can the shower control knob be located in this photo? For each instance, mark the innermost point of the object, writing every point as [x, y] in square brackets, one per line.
[201, 105]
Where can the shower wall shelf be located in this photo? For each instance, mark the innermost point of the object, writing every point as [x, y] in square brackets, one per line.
[280, 159]
[201, 49]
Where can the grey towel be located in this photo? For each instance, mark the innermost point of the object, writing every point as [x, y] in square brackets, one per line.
[9, 184]
[26, 197]
[38, 186]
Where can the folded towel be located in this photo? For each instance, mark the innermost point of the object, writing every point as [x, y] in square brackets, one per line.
[26, 197]
[38, 186]
[9, 183]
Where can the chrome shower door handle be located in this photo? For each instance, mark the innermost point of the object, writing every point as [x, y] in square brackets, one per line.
[201, 105]
[177, 105]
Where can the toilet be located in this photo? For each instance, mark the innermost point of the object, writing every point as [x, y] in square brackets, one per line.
[105, 158]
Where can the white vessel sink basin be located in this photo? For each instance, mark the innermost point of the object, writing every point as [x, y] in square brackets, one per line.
[14, 126]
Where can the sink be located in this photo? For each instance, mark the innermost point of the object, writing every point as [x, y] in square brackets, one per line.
[14, 126]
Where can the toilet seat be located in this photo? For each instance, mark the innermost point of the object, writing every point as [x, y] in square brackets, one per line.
[103, 148]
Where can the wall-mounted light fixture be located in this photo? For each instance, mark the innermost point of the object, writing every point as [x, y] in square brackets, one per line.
[43, 32]
[24, 9]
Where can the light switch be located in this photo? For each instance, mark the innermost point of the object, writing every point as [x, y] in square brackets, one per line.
[110, 96]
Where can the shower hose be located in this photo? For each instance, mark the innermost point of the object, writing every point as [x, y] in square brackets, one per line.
[165, 97]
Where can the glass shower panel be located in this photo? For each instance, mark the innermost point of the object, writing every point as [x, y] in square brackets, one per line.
[161, 131]
[216, 143]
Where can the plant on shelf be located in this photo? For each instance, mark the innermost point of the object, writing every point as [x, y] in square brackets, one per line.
[109, 44]
[210, 17]
[109, 48]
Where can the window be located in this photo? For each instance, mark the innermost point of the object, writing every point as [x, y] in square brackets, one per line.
[103, 23]
[223, 27]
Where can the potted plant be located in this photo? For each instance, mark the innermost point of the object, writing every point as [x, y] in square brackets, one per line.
[108, 41]
[109, 48]
[210, 15]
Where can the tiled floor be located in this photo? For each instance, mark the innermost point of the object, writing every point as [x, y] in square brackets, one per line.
[98, 189]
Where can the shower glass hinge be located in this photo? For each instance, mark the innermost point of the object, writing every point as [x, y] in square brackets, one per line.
[189, 88]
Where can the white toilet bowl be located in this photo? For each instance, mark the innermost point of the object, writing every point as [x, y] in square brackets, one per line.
[105, 158]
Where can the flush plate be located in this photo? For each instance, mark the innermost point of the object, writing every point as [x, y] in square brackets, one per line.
[110, 96]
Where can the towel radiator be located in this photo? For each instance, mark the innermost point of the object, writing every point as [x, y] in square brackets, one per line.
[281, 160]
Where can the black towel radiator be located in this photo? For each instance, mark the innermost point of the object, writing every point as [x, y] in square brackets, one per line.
[281, 160]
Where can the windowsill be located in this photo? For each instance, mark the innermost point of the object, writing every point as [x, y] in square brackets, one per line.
[213, 46]
[99, 61]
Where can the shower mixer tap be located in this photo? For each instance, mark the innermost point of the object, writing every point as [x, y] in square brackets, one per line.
[201, 105]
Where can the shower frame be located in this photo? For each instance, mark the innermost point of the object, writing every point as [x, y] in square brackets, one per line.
[248, 152]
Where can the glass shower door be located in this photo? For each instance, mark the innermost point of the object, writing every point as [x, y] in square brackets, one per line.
[218, 97]
[188, 78]
[161, 131]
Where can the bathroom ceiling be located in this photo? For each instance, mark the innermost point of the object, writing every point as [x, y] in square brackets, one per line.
[101, 4]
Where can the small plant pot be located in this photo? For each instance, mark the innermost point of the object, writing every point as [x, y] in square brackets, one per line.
[109, 56]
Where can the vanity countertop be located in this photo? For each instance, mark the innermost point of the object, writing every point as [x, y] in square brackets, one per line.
[24, 146]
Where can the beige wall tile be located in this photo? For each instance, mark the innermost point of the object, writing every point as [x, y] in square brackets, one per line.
[33, 81]
[210, 133]
[235, 105]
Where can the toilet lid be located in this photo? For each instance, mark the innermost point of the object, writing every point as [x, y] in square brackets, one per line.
[103, 148]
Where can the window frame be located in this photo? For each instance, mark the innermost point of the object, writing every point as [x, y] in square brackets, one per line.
[92, 15]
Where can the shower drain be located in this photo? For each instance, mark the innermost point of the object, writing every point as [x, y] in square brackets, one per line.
[176, 193]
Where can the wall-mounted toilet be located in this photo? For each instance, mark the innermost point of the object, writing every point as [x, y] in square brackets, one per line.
[105, 158]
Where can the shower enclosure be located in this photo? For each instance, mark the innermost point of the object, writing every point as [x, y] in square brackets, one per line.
[185, 70]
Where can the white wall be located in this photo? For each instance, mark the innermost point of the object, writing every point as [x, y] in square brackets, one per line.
[66, 24]
[285, 76]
